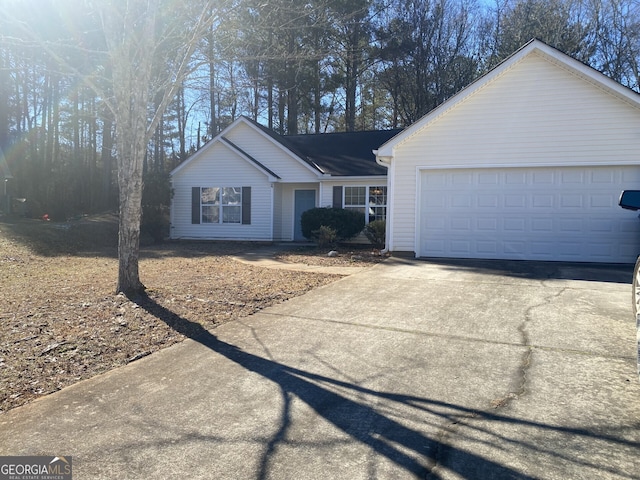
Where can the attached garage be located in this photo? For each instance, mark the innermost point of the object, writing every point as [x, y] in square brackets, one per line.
[526, 163]
[564, 214]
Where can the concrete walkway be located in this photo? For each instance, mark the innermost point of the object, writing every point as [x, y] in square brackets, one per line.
[411, 369]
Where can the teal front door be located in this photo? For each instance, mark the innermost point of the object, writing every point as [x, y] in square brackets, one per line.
[304, 200]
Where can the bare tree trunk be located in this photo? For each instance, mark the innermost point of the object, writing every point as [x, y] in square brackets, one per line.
[131, 40]
[131, 152]
[352, 71]
[131, 81]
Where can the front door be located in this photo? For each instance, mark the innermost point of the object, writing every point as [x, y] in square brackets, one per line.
[304, 200]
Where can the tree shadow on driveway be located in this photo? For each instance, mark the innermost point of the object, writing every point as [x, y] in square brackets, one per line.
[409, 449]
[539, 270]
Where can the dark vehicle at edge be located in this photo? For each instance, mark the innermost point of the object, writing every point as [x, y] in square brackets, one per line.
[630, 200]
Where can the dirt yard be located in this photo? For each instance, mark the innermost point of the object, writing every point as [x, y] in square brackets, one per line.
[60, 321]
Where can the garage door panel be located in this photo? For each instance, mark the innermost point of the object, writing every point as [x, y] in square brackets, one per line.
[602, 225]
[543, 177]
[545, 224]
[542, 201]
[568, 249]
[459, 201]
[462, 225]
[489, 201]
[514, 224]
[488, 178]
[571, 201]
[487, 225]
[572, 176]
[571, 225]
[566, 214]
[629, 225]
[603, 200]
[603, 176]
[461, 247]
[515, 177]
[487, 247]
[515, 201]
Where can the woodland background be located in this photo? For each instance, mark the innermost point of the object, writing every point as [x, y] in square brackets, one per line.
[297, 67]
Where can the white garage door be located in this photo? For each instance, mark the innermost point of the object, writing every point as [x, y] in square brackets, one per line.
[568, 214]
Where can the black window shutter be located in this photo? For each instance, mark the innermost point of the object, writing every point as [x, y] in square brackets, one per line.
[337, 197]
[246, 205]
[195, 205]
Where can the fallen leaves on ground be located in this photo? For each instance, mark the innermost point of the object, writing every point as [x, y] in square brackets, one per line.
[60, 321]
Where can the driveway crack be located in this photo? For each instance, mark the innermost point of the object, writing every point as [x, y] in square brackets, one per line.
[449, 430]
[525, 362]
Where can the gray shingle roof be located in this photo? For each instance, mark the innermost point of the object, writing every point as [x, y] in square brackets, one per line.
[343, 154]
[347, 154]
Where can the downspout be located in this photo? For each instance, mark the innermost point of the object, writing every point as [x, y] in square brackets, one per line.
[386, 163]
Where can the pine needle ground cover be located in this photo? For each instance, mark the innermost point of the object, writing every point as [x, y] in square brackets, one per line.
[60, 321]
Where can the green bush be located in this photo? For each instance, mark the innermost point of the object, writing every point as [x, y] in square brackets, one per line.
[346, 223]
[375, 233]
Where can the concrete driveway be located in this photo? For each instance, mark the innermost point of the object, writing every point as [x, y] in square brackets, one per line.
[408, 370]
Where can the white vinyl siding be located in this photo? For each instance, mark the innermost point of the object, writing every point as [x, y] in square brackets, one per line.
[536, 113]
[277, 212]
[221, 166]
[271, 155]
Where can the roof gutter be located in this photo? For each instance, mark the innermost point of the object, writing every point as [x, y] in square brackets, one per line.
[382, 161]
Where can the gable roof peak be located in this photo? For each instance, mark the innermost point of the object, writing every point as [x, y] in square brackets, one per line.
[534, 46]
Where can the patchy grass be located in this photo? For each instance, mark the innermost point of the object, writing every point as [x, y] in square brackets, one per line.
[60, 321]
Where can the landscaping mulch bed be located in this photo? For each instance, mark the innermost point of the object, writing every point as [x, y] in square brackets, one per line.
[60, 321]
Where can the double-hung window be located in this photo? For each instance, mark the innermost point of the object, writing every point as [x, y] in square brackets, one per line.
[231, 205]
[223, 205]
[370, 200]
[210, 204]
